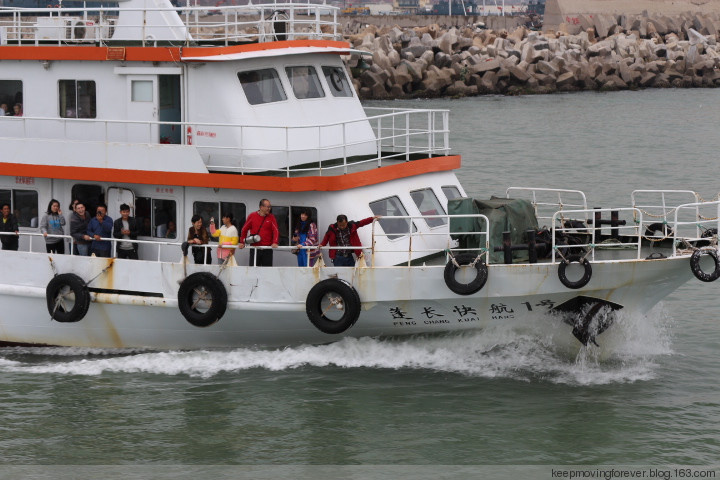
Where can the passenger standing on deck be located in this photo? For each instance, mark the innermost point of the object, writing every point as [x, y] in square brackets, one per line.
[126, 228]
[198, 235]
[264, 224]
[53, 223]
[9, 224]
[101, 226]
[305, 234]
[79, 220]
[228, 236]
[344, 234]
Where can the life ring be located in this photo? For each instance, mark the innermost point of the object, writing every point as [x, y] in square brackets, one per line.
[465, 288]
[327, 296]
[58, 293]
[585, 278]
[202, 299]
[698, 271]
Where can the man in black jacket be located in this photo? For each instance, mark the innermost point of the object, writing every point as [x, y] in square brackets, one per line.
[126, 228]
[8, 224]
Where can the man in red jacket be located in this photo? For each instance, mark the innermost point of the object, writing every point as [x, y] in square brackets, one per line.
[344, 234]
[264, 224]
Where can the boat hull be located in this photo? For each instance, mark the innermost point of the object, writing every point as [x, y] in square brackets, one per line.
[134, 303]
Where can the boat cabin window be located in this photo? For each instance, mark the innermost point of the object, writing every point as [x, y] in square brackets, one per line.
[428, 204]
[11, 94]
[337, 81]
[90, 195]
[23, 204]
[77, 98]
[157, 217]
[305, 82]
[208, 210]
[392, 207]
[451, 192]
[262, 86]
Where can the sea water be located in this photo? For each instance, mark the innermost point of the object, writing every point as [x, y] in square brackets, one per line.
[503, 403]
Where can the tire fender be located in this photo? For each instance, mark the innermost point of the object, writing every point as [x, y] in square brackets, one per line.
[465, 288]
[585, 278]
[698, 271]
[202, 299]
[342, 295]
[57, 295]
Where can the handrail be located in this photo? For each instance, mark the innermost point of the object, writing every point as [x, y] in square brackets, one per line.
[240, 23]
[560, 204]
[393, 143]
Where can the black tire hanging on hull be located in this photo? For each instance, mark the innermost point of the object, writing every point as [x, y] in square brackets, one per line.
[202, 289]
[57, 294]
[697, 269]
[471, 287]
[587, 275]
[345, 298]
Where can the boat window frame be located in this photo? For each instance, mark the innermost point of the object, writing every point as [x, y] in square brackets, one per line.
[139, 208]
[438, 204]
[250, 97]
[315, 82]
[443, 187]
[5, 97]
[391, 236]
[75, 112]
[11, 193]
[331, 83]
[238, 220]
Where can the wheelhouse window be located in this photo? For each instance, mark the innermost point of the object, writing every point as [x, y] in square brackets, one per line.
[11, 94]
[451, 192]
[392, 207]
[262, 86]
[305, 82]
[337, 81]
[215, 210]
[157, 217]
[77, 99]
[428, 204]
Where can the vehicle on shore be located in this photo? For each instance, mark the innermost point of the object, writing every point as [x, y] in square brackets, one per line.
[178, 115]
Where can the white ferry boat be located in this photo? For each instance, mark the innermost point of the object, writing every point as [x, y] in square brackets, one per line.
[177, 113]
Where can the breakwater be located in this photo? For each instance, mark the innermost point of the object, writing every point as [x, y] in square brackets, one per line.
[612, 53]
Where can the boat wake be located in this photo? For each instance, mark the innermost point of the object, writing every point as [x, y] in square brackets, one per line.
[540, 351]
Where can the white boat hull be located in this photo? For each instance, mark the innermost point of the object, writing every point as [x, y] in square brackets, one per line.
[134, 303]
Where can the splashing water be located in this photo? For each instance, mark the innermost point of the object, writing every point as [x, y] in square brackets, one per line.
[540, 350]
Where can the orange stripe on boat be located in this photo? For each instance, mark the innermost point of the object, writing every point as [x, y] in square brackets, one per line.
[148, 54]
[234, 181]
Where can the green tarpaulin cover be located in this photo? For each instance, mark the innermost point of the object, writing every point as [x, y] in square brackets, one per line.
[505, 214]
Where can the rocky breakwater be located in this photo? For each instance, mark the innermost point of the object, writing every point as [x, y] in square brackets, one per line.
[430, 61]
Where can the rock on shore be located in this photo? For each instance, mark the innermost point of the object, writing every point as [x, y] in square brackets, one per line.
[611, 53]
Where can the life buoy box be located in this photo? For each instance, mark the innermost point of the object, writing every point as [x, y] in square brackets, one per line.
[202, 299]
[333, 305]
[587, 274]
[68, 298]
[463, 259]
[697, 269]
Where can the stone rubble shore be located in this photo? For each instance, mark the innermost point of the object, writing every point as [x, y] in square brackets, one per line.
[610, 53]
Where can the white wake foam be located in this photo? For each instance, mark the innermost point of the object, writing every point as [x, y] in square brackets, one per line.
[542, 350]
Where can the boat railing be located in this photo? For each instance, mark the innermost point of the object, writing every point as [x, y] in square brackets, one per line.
[695, 222]
[264, 22]
[397, 136]
[549, 201]
[659, 207]
[419, 243]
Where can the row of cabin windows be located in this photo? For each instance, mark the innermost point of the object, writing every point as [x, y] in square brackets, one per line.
[77, 98]
[264, 85]
[158, 217]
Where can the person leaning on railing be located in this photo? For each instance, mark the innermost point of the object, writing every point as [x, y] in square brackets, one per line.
[344, 234]
[9, 224]
[228, 236]
[100, 227]
[79, 220]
